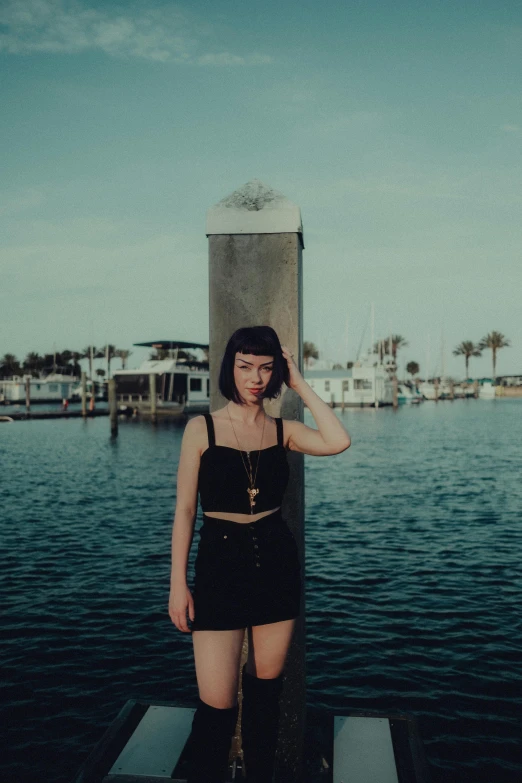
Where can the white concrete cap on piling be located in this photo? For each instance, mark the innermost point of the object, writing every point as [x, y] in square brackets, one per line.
[254, 208]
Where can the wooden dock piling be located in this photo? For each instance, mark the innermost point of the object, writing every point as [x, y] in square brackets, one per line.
[28, 394]
[152, 397]
[113, 407]
[84, 394]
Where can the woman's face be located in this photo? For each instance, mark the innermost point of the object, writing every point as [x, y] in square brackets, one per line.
[252, 374]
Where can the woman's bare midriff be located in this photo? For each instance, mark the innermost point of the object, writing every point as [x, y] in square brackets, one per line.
[244, 518]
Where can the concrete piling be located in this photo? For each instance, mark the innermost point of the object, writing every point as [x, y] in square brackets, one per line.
[255, 278]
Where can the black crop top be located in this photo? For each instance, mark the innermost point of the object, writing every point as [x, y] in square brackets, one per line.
[223, 480]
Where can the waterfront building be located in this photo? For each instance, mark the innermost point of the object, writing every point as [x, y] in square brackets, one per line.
[55, 387]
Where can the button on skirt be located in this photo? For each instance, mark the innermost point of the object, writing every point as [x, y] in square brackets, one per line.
[246, 573]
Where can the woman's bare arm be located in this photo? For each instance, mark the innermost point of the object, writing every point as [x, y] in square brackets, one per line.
[183, 525]
[331, 437]
[186, 501]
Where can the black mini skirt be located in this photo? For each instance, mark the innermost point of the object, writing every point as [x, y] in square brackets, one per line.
[246, 573]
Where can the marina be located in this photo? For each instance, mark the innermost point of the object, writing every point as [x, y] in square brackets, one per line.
[412, 598]
[182, 387]
[372, 619]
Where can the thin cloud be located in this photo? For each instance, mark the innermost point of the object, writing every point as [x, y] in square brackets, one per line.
[226, 58]
[161, 33]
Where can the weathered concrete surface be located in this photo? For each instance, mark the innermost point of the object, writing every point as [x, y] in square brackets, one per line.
[256, 279]
[255, 208]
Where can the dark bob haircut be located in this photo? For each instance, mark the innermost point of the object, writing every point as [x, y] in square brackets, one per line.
[259, 341]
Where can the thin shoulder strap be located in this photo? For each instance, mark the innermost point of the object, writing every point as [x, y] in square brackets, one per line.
[210, 429]
[280, 436]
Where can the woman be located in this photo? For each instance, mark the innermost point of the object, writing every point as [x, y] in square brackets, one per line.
[247, 571]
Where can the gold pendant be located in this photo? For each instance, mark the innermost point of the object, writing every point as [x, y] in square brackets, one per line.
[252, 492]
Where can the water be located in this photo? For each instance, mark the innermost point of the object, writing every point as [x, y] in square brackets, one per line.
[413, 582]
[48, 407]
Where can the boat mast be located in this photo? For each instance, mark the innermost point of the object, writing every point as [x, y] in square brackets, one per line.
[441, 354]
[372, 310]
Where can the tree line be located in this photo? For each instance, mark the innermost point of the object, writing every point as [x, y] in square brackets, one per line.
[389, 346]
[65, 362]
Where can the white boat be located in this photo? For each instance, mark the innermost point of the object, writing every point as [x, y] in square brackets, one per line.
[487, 390]
[366, 384]
[182, 386]
[54, 387]
[99, 393]
[429, 391]
[407, 396]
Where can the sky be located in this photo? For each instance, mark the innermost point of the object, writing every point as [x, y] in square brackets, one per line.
[395, 126]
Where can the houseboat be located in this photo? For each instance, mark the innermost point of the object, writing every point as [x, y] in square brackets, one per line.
[182, 385]
[54, 387]
[364, 385]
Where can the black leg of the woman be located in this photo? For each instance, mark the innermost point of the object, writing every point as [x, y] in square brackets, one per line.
[259, 725]
[209, 743]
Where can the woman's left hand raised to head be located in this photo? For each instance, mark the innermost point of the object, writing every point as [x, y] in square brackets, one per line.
[295, 379]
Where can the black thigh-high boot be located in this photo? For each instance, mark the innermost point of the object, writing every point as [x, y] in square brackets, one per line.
[259, 725]
[209, 743]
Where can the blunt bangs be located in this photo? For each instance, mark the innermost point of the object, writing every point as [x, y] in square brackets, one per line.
[259, 341]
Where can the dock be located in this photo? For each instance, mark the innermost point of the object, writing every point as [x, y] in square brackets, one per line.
[23, 415]
[146, 743]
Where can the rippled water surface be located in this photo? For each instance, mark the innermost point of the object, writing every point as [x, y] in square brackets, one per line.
[413, 581]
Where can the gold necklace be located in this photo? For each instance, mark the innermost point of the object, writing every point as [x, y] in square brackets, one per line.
[252, 490]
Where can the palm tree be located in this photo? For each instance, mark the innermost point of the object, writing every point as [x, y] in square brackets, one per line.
[397, 342]
[467, 349]
[9, 365]
[381, 348]
[123, 354]
[87, 354]
[96, 354]
[33, 363]
[75, 359]
[110, 352]
[495, 341]
[309, 352]
[64, 359]
[413, 368]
